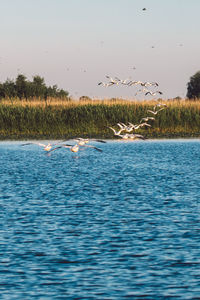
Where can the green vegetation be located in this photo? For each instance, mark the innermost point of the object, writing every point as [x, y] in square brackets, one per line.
[23, 120]
[25, 89]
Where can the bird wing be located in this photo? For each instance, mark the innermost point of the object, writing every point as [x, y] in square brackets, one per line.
[67, 146]
[160, 109]
[100, 141]
[26, 144]
[90, 146]
[139, 136]
[55, 149]
[153, 112]
[39, 144]
[33, 143]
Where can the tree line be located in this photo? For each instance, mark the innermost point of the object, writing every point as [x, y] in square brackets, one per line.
[23, 88]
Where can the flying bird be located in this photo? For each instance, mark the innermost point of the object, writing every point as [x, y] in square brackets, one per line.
[146, 83]
[160, 105]
[132, 136]
[47, 147]
[155, 112]
[76, 147]
[116, 132]
[82, 142]
[153, 93]
[145, 124]
[147, 119]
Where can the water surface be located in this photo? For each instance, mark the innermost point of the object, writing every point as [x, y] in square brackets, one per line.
[121, 224]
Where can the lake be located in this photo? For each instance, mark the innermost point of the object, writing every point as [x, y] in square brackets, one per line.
[121, 224]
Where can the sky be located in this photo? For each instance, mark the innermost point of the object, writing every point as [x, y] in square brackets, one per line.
[77, 43]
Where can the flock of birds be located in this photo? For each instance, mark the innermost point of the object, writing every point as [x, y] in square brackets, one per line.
[80, 142]
[128, 82]
[127, 129]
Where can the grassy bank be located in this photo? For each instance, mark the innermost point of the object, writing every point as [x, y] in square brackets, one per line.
[57, 119]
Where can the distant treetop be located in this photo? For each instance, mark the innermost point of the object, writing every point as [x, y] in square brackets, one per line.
[23, 88]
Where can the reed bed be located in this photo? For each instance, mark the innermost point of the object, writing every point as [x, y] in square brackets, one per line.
[55, 119]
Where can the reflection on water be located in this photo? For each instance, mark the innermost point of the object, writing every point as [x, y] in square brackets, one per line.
[114, 225]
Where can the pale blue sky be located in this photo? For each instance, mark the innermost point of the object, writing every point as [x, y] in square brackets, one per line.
[75, 43]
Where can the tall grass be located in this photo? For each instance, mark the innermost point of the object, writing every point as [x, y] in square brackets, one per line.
[61, 119]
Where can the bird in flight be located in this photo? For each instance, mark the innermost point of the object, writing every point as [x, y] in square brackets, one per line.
[47, 147]
[147, 119]
[82, 142]
[116, 132]
[76, 147]
[145, 124]
[146, 83]
[153, 93]
[131, 136]
[155, 112]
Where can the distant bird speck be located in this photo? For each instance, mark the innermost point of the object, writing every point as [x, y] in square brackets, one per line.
[144, 8]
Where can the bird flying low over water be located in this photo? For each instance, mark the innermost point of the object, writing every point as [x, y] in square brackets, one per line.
[131, 136]
[76, 147]
[47, 147]
[116, 132]
[82, 141]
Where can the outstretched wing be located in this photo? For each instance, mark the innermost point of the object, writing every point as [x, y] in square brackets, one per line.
[89, 146]
[54, 149]
[100, 141]
[33, 143]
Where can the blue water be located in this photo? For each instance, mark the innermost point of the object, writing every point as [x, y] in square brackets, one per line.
[121, 224]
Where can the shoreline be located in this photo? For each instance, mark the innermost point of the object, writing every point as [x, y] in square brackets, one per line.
[37, 138]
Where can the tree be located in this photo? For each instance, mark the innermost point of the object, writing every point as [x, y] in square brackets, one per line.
[8, 89]
[21, 86]
[193, 86]
[2, 91]
[39, 87]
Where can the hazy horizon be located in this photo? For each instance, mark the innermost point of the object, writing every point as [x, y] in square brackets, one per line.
[75, 44]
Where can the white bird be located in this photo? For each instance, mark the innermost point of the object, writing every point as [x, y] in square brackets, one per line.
[127, 128]
[131, 136]
[145, 124]
[82, 142]
[135, 126]
[123, 81]
[76, 147]
[116, 132]
[104, 84]
[146, 83]
[134, 83]
[153, 93]
[160, 105]
[155, 112]
[141, 90]
[47, 147]
[112, 81]
[147, 119]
